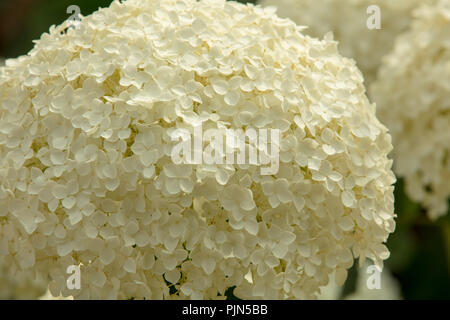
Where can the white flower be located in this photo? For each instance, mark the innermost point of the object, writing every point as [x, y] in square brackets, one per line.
[277, 192]
[86, 176]
[412, 95]
[237, 199]
[177, 178]
[264, 260]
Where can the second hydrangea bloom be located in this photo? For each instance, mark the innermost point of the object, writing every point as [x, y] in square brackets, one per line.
[347, 19]
[413, 99]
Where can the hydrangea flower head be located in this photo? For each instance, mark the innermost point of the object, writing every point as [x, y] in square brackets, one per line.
[413, 98]
[347, 19]
[87, 178]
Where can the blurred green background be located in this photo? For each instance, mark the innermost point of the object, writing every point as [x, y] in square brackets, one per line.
[420, 249]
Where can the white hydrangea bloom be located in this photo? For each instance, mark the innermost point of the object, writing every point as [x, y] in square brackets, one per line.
[347, 19]
[86, 176]
[413, 98]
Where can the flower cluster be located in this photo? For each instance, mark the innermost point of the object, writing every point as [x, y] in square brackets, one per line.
[348, 21]
[413, 99]
[86, 177]
[20, 286]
